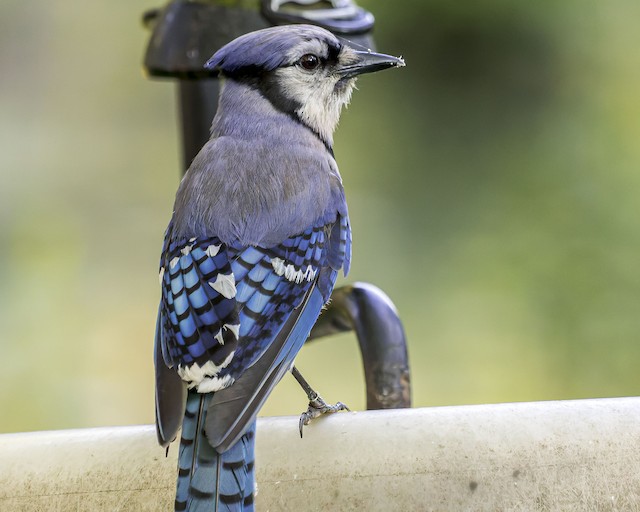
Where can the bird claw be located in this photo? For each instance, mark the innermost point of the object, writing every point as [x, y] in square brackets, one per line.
[318, 407]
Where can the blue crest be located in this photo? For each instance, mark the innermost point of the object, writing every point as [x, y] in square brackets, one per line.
[267, 49]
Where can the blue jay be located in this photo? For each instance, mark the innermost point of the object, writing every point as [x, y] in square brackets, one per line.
[259, 232]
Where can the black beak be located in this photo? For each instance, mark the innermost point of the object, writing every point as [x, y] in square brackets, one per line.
[369, 62]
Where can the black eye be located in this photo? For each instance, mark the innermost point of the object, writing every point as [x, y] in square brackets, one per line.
[309, 61]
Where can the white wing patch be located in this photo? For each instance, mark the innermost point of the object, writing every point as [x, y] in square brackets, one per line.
[225, 285]
[212, 250]
[234, 328]
[205, 378]
[208, 385]
[161, 276]
[290, 272]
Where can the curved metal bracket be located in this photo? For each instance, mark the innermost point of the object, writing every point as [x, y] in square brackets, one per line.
[342, 17]
[368, 311]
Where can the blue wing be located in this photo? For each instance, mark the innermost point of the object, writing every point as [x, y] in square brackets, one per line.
[224, 306]
[198, 316]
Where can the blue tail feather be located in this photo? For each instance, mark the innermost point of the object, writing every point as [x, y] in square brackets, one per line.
[209, 481]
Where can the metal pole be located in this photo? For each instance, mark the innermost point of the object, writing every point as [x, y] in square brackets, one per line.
[570, 456]
[184, 35]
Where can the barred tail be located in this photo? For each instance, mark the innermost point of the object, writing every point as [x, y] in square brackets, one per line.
[209, 481]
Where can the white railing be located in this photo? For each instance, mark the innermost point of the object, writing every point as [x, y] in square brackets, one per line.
[575, 455]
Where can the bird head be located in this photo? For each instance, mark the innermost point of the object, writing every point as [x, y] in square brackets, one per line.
[302, 70]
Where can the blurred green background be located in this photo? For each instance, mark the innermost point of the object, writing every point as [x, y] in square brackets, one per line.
[493, 187]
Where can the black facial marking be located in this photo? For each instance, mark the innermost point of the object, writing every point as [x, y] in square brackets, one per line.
[266, 82]
[334, 52]
[271, 89]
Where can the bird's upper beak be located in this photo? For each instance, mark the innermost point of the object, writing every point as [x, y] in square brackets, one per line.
[368, 62]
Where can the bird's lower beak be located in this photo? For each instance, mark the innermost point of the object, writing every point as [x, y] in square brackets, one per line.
[368, 62]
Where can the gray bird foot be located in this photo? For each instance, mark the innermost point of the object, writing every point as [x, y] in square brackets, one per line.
[318, 407]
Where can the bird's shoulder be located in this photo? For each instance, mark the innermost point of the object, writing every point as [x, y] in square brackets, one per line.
[249, 191]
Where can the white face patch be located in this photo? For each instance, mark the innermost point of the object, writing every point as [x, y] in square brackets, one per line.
[225, 285]
[291, 273]
[318, 92]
